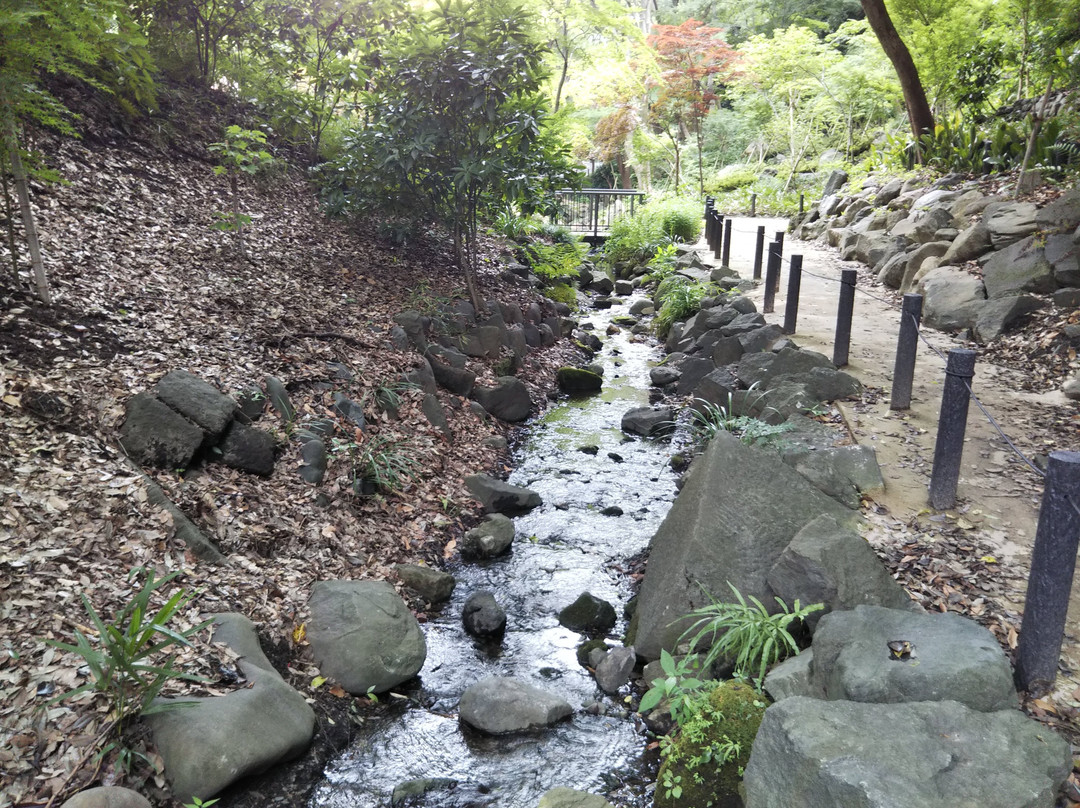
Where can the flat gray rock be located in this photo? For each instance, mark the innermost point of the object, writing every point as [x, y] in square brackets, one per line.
[832, 564]
[1008, 222]
[839, 754]
[615, 668]
[492, 537]
[248, 449]
[845, 473]
[1020, 267]
[156, 435]
[954, 659]
[216, 741]
[499, 705]
[952, 298]
[996, 316]
[501, 497]
[508, 400]
[434, 586]
[198, 401]
[363, 636]
[792, 678]
[107, 797]
[569, 798]
[646, 421]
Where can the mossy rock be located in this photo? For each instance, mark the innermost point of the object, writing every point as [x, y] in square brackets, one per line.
[577, 380]
[694, 773]
[587, 648]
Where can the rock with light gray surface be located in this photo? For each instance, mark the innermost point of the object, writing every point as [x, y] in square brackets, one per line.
[952, 298]
[832, 564]
[613, 671]
[1009, 222]
[810, 753]
[501, 497]
[363, 635]
[508, 400]
[434, 586]
[482, 615]
[1020, 267]
[954, 659]
[727, 524]
[499, 705]
[218, 740]
[107, 797]
[569, 798]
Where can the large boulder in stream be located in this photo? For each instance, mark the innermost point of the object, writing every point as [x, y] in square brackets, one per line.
[501, 497]
[739, 509]
[109, 797]
[578, 381]
[499, 705]
[363, 635]
[810, 753]
[215, 741]
[569, 798]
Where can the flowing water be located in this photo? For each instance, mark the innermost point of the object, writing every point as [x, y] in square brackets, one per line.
[598, 510]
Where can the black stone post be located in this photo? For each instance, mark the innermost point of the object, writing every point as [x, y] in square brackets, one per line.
[844, 313]
[772, 278]
[726, 260]
[759, 249]
[753, 204]
[780, 240]
[802, 203]
[710, 225]
[718, 237]
[906, 348]
[1053, 562]
[791, 305]
[952, 423]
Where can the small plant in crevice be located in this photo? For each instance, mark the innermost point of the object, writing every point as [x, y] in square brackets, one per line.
[745, 632]
[131, 658]
[708, 419]
[380, 463]
[680, 302]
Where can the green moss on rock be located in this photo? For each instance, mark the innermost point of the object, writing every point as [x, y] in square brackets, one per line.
[703, 765]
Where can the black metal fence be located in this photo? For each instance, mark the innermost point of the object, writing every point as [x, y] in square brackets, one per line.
[591, 211]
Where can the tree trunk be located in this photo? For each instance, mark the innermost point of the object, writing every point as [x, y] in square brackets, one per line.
[9, 214]
[918, 109]
[1037, 117]
[18, 174]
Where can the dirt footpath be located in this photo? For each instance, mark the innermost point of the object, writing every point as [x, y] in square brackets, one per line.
[998, 494]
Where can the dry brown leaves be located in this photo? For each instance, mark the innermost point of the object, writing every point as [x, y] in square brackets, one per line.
[144, 286]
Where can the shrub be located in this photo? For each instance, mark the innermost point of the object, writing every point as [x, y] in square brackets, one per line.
[703, 764]
[679, 303]
[707, 419]
[380, 463]
[124, 658]
[660, 223]
[747, 632]
[729, 178]
[562, 293]
[514, 227]
[555, 262]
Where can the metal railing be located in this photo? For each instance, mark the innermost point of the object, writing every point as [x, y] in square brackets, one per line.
[591, 211]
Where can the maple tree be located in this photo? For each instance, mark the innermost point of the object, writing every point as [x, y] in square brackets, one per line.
[694, 62]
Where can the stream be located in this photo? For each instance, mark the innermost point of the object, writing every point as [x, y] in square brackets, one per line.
[563, 548]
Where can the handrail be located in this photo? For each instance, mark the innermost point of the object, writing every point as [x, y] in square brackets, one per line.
[591, 211]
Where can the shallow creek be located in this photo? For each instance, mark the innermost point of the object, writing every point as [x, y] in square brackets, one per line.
[565, 547]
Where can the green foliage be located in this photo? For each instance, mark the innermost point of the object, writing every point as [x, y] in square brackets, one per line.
[555, 262]
[746, 633]
[681, 683]
[94, 42]
[562, 293]
[707, 419]
[703, 764]
[197, 802]
[513, 226]
[636, 238]
[455, 125]
[380, 463]
[679, 303]
[661, 265]
[558, 233]
[123, 656]
[242, 152]
[729, 178]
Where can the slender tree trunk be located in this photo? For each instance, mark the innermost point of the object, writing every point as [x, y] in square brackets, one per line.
[9, 213]
[238, 224]
[918, 109]
[565, 66]
[1037, 117]
[18, 173]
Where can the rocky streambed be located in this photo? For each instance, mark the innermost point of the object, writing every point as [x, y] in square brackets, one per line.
[604, 495]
